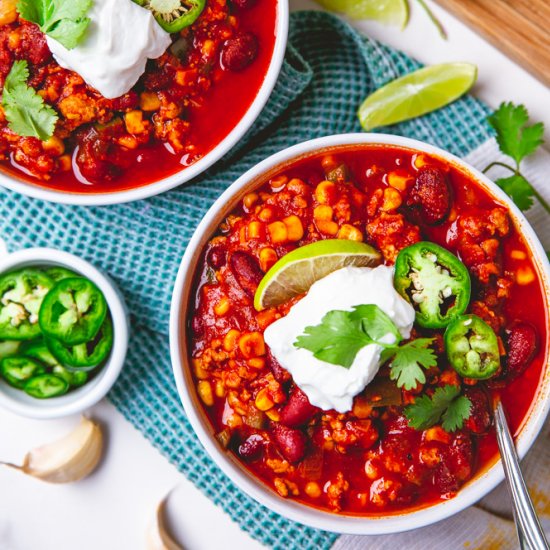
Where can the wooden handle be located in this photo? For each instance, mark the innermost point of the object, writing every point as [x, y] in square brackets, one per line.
[520, 28]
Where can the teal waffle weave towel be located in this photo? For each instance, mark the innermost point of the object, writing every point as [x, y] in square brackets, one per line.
[329, 69]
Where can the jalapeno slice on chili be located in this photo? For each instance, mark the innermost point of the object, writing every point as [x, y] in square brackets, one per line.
[87, 355]
[472, 347]
[45, 386]
[73, 311]
[434, 281]
[21, 295]
[174, 15]
[18, 370]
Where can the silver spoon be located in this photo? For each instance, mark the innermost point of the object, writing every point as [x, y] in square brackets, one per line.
[530, 533]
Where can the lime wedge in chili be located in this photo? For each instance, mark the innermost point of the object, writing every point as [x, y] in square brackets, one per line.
[295, 272]
[73, 311]
[389, 12]
[416, 94]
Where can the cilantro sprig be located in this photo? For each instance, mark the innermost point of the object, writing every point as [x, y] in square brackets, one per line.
[62, 20]
[342, 334]
[518, 140]
[25, 110]
[446, 405]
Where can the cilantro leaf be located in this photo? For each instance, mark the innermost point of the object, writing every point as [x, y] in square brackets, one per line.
[375, 323]
[407, 362]
[337, 340]
[62, 20]
[446, 403]
[25, 110]
[519, 189]
[514, 137]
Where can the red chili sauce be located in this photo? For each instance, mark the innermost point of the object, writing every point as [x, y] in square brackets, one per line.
[184, 105]
[367, 461]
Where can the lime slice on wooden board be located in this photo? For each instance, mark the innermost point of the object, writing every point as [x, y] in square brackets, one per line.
[295, 272]
[388, 12]
[416, 94]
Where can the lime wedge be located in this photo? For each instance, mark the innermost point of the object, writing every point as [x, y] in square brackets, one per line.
[295, 272]
[416, 94]
[388, 12]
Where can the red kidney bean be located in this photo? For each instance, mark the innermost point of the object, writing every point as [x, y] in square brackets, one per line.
[298, 410]
[239, 51]
[431, 195]
[246, 270]
[280, 374]
[252, 447]
[216, 257]
[522, 345]
[291, 442]
[480, 411]
[126, 102]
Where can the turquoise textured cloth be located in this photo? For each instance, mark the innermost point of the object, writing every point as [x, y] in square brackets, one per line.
[329, 69]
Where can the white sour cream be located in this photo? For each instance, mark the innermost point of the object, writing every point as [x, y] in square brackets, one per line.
[119, 40]
[332, 386]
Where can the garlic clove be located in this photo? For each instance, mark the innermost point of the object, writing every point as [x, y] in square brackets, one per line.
[67, 460]
[158, 537]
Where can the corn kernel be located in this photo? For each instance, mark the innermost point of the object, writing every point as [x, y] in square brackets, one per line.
[222, 307]
[399, 179]
[329, 162]
[186, 77]
[200, 373]
[208, 47]
[361, 408]
[453, 215]
[263, 402]
[205, 392]
[266, 317]
[54, 146]
[313, 490]
[254, 230]
[278, 232]
[437, 433]
[392, 199]
[130, 142]
[371, 470]
[266, 214]
[134, 122]
[230, 340]
[256, 363]
[323, 212]
[278, 182]
[518, 255]
[242, 235]
[219, 389]
[273, 414]
[525, 275]
[268, 257]
[149, 102]
[250, 199]
[327, 227]
[252, 344]
[350, 232]
[8, 12]
[420, 160]
[234, 421]
[65, 163]
[295, 229]
[14, 39]
[326, 192]
[296, 185]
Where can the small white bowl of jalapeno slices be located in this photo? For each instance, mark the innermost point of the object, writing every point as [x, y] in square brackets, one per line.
[63, 333]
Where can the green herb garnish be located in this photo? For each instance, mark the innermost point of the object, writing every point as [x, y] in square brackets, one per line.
[341, 334]
[25, 110]
[62, 20]
[517, 140]
[446, 404]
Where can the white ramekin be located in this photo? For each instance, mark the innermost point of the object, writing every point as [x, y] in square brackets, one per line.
[88, 395]
[475, 489]
[187, 174]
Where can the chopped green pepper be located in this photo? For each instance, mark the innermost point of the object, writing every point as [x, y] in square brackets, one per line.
[74, 379]
[174, 15]
[73, 311]
[45, 386]
[434, 281]
[21, 295]
[472, 347]
[18, 370]
[82, 356]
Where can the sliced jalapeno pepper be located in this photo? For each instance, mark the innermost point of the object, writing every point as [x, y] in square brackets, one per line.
[434, 281]
[472, 347]
[74, 379]
[9, 348]
[90, 354]
[73, 311]
[58, 273]
[21, 295]
[174, 15]
[45, 386]
[39, 351]
[18, 370]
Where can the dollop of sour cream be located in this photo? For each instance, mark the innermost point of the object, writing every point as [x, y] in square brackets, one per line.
[120, 39]
[332, 386]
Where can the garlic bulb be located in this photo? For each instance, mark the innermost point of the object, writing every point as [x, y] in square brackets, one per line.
[158, 537]
[70, 459]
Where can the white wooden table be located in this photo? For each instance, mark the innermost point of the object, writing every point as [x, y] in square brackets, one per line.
[112, 508]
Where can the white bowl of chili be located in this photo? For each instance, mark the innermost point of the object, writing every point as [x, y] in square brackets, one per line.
[223, 110]
[527, 414]
[100, 379]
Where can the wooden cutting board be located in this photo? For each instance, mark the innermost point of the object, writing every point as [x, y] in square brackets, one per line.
[519, 28]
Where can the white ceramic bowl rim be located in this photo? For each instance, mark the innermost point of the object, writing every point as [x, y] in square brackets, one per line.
[88, 395]
[186, 174]
[473, 490]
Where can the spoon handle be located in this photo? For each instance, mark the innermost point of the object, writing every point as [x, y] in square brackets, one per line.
[530, 532]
